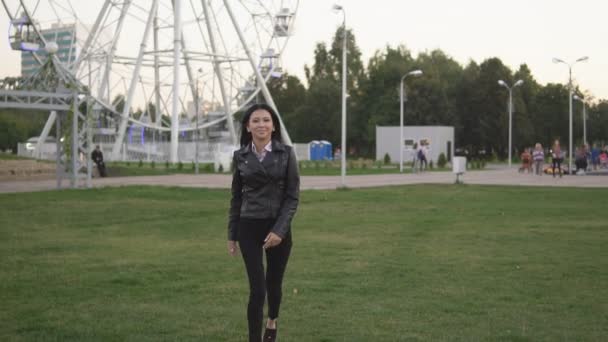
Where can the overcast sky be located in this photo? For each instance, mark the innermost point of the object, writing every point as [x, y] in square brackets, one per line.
[516, 31]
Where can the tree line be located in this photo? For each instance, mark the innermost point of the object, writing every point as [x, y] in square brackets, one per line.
[449, 94]
[467, 97]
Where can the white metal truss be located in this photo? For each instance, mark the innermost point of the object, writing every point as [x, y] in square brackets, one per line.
[156, 49]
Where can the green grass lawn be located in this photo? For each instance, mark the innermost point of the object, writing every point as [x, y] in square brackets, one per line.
[410, 263]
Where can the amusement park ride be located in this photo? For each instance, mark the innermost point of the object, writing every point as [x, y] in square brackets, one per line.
[190, 64]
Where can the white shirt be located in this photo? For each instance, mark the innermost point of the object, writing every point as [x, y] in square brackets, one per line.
[261, 155]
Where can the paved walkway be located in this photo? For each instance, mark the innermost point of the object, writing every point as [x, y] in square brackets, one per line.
[486, 177]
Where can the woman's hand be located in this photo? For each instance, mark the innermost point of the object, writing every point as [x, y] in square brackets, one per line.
[233, 247]
[271, 240]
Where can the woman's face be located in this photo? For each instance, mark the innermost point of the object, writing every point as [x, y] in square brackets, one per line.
[260, 125]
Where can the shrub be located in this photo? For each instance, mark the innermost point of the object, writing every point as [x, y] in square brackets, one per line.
[387, 159]
[167, 165]
[220, 169]
[141, 163]
[180, 165]
[442, 160]
[153, 164]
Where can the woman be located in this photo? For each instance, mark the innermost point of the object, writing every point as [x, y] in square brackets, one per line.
[539, 158]
[265, 192]
[556, 154]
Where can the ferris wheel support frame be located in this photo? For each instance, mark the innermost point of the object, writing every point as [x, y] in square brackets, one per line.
[260, 79]
[106, 75]
[177, 39]
[92, 34]
[129, 100]
[219, 75]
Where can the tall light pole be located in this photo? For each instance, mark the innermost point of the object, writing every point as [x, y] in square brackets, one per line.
[338, 8]
[197, 106]
[402, 99]
[504, 84]
[576, 97]
[570, 94]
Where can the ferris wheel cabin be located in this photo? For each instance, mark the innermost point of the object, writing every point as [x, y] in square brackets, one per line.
[23, 36]
[283, 23]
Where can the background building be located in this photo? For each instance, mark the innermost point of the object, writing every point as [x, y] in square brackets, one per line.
[440, 139]
[64, 36]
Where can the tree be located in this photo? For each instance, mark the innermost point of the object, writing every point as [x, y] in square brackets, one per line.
[319, 117]
[551, 114]
[377, 100]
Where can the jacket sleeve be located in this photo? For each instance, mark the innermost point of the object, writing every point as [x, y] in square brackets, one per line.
[290, 199]
[235, 202]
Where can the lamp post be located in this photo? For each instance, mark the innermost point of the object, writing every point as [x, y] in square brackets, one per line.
[402, 99]
[504, 84]
[338, 8]
[576, 97]
[570, 94]
[196, 135]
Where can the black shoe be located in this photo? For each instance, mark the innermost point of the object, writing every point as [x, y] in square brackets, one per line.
[270, 335]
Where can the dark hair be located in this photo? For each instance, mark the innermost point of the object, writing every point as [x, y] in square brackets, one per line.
[246, 136]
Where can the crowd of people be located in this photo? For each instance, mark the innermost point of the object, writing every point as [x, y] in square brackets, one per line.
[585, 159]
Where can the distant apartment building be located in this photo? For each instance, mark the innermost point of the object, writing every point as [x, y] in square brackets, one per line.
[64, 36]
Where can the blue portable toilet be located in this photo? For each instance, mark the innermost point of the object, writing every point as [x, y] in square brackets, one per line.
[315, 150]
[326, 150]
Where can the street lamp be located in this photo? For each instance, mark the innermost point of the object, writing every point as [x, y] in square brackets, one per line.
[571, 93]
[338, 8]
[504, 84]
[402, 99]
[576, 97]
[197, 105]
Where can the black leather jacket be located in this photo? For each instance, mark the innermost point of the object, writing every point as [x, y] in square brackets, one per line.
[267, 189]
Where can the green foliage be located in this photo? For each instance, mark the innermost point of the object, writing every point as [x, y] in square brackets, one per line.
[141, 163]
[442, 161]
[387, 159]
[167, 165]
[153, 164]
[180, 166]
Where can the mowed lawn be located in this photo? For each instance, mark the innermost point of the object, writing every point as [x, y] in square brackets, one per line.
[409, 263]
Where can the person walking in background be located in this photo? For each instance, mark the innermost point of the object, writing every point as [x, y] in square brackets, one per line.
[421, 154]
[581, 160]
[595, 156]
[526, 161]
[265, 196]
[538, 156]
[556, 155]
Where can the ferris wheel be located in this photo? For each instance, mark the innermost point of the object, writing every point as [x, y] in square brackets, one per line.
[187, 64]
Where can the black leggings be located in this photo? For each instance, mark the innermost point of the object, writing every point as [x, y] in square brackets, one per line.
[252, 233]
[557, 162]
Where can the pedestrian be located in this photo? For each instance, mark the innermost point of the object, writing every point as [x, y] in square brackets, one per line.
[97, 157]
[265, 194]
[595, 156]
[421, 155]
[526, 161]
[557, 157]
[538, 155]
[580, 160]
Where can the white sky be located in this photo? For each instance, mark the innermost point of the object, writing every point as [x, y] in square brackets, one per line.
[516, 31]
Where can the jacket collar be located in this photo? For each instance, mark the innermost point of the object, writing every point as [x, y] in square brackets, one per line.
[276, 146]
